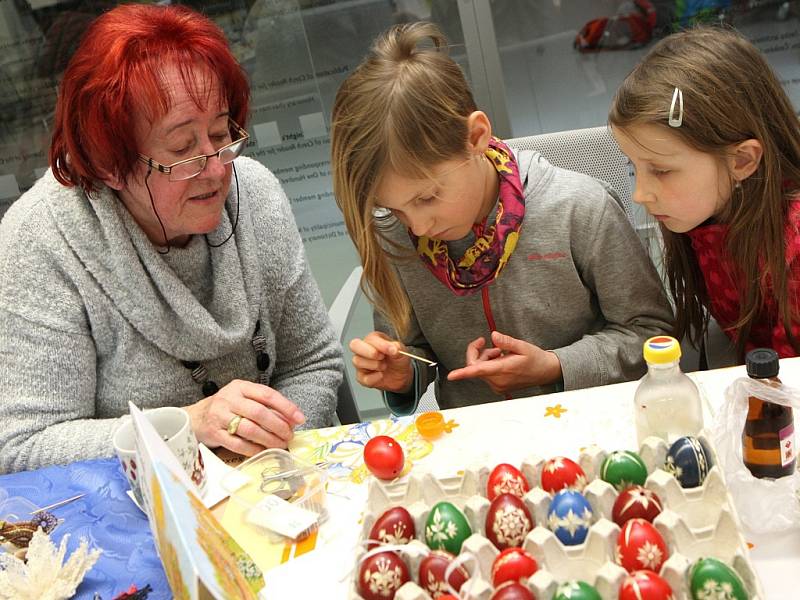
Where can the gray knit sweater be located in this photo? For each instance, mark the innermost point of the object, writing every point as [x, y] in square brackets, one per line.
[91, 316]
[578, 283]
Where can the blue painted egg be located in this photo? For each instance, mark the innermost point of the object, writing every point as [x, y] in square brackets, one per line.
[570, 517]
[689, 460]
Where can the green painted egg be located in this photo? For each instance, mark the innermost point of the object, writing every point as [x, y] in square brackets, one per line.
[576, 590]
[712, 578]
[446, 528]
[623, 468]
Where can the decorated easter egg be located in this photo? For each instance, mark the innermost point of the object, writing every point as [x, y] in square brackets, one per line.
[432, 570]
[712, 578]
[384, 457]
[381, 575]
[446, 528]
[506, 479]
[640, 546]
[645, 585]
[576, 590]
[512, 590]
[508, 521]
[623, 468]
[636, 502]
[688, 460]
[395, 526]
[513, 564]
[569, 517]
[561, 473]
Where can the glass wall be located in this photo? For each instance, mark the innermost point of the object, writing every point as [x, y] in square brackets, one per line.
[520, 56]
[296, 53]
[552, 85]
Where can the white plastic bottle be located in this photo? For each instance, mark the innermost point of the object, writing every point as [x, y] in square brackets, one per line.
[667, 402]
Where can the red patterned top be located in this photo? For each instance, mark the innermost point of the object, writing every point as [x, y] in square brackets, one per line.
[720, 277]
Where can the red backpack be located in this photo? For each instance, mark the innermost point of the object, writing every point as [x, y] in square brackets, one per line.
[631, 29]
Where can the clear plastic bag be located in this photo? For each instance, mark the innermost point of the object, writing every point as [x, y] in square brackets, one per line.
[764, 505]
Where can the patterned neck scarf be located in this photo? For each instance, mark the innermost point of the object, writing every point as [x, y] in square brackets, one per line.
[484, 260]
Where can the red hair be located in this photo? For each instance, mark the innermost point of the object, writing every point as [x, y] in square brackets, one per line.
[116, 74]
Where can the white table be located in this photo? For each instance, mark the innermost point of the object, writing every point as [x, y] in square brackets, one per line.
[508, 432]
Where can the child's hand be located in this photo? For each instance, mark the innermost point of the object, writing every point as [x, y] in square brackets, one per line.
[379, 365]
[511, 365]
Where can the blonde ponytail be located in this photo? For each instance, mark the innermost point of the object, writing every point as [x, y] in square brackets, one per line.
[404, 109]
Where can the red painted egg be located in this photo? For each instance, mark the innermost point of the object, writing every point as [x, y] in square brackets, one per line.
[384, 457]
[432, 570]
[640, 546]
[508, 521]
[512, 591]
[636, 502]
[513, 564]
[381, 575]
[395, 526]
[645, 585]
[562, 473]
[506, 479]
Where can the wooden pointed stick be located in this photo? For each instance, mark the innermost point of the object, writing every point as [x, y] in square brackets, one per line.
[57, 504]
[425, 360]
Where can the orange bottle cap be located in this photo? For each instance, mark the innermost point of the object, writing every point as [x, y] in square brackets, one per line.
[430, 425]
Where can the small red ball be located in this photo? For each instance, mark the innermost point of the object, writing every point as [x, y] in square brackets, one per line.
[384, 457]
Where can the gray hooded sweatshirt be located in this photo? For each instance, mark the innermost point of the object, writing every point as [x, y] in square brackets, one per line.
[579, 283]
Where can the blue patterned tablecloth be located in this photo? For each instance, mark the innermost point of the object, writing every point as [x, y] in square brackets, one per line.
[106, 517]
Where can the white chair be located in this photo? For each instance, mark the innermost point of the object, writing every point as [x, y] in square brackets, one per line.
[341, 313]
[592, 151]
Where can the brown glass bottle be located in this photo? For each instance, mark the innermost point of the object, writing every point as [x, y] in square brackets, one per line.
[768, 438]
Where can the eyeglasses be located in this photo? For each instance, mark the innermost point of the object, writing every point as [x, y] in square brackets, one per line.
[192, 167]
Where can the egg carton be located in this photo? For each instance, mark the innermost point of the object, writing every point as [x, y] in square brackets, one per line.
[695, 523]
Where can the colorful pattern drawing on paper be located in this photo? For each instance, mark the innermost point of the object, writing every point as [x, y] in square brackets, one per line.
[341, 449]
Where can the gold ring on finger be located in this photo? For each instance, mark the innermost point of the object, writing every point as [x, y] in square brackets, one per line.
[233, 424]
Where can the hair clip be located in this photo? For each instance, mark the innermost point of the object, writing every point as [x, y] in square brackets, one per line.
[676, 121]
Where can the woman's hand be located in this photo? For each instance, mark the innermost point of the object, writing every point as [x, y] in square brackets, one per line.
[267, 420]
[379, 365]
[511, 365]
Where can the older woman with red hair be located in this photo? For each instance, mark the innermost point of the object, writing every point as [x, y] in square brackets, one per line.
[152, 262]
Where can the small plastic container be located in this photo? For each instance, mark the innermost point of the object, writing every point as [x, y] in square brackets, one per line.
[283, 496]
[430, 425]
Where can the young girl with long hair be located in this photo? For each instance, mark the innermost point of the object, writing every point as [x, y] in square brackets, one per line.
[462, 239]
[715, 143]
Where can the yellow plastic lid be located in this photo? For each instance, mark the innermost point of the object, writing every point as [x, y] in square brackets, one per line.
[662, 349]
[430, 425]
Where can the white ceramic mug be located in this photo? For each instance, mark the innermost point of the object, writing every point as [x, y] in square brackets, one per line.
[174, 427]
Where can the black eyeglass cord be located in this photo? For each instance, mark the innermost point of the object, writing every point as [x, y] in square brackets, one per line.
[160, 222]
